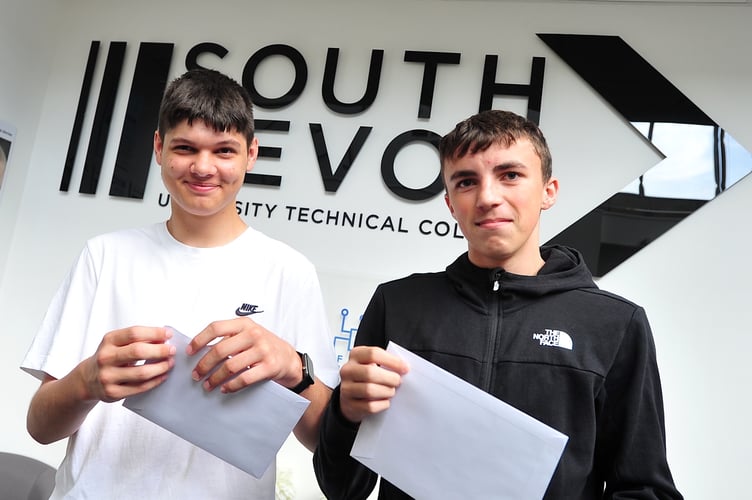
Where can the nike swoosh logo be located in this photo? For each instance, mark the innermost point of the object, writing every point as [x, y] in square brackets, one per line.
[240, 312]
[247, 310]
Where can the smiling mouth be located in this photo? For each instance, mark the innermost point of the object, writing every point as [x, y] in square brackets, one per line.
[201, 187]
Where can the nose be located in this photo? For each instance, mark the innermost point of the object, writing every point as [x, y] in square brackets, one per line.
[203, 164]
[489, 195]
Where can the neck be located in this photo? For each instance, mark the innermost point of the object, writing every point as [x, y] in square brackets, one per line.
[526, 268]
[205, 232]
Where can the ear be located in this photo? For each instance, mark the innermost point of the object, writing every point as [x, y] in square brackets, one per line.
[252, 154]
[449, 204]
[550, 192]
[158, 145]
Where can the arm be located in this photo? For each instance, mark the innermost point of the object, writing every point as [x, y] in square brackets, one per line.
[633, 439]
[369, 381]
[307, 429]
[365, 388]
[340, 476]
[59, 407]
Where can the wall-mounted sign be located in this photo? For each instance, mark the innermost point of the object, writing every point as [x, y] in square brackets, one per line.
[7, 133]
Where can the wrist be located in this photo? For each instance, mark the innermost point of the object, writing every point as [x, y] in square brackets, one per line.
[306, 374]
[336, 402]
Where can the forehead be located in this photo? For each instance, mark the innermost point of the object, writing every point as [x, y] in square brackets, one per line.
[203, 131]
[520, 153]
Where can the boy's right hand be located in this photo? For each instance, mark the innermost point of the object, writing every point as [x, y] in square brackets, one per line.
[117, 370]
[369, 380]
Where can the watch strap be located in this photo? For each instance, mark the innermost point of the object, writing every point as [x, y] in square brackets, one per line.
[308, 380]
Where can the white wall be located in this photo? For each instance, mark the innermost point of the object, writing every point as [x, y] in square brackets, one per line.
[24, 59]
[27, 35]
[692, 281]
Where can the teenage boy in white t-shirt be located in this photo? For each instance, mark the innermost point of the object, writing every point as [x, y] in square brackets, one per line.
[205, 273]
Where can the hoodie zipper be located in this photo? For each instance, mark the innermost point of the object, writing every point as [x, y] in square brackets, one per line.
[494, 329]
[496, 280]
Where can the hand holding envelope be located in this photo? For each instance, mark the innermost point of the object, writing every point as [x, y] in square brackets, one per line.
[445, 438]
[245, 428]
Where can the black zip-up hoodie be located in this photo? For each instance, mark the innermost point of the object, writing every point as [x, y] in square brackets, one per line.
[553, 345]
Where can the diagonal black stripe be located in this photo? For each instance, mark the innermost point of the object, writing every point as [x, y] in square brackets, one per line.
[70, 157]
[625, 79]
[102, 118]
[625, 223]
[141, 118]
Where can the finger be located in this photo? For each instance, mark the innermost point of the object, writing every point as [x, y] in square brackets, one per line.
[248, 377]
[117, 383]
[356, 410]
[372, 387]
[120, 391]
[143, 351]
[354, 372]
[355, 407]
[378, 356]
[216, 329]
[144, 372]
[214, 360]
[111, 356]
[235, 372]
[133, 334]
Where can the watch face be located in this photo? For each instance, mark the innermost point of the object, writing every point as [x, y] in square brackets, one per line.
[307, 374]
[307, 368]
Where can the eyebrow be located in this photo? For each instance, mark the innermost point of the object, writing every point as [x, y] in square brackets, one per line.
[222, 143]
[508, 165]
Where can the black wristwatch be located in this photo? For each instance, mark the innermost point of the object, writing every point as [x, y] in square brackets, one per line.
[307, 374]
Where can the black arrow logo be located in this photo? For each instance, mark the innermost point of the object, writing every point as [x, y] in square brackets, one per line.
[696, 149]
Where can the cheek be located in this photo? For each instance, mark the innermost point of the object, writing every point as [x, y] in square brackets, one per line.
[175, 167]
[462, 207]
[232, 175]
[170, 172]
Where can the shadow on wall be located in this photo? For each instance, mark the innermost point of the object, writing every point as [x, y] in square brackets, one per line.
[25, 478]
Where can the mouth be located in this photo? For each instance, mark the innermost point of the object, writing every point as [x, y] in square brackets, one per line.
[201, 187]
[493, 223]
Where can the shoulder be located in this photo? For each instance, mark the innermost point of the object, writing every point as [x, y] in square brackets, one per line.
[415, 279]
[151, 232]
[618, 319]
[415, 284]
[598, 297]
[273, 251]
[125, 239]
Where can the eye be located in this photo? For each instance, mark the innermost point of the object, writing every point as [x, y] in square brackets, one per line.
[228, 151]
[464, 183]
[182, 148]
[510, 176]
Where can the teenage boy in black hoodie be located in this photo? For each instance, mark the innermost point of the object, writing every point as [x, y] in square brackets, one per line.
[525, 323]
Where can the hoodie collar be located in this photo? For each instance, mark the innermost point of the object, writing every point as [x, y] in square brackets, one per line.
[564, 269]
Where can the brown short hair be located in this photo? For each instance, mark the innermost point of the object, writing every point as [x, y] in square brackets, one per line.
[481, 131]
[209, 96]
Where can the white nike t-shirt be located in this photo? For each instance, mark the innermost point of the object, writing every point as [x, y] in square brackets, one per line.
[145, 277]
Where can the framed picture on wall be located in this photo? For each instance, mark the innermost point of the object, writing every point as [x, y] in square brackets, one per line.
[7, 133]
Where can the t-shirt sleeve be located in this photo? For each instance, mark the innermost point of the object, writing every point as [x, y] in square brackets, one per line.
[309, 326]
[58, 345]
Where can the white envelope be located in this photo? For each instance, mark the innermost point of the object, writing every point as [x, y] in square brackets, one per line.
[445, 438]
[246, 428]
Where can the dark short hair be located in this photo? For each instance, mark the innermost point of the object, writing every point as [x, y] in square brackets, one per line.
[209, 96]
[492, 127]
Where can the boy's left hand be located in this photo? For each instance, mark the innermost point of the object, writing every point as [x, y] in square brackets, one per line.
[248, 353]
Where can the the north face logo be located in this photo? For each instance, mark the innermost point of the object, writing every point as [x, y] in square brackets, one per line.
[554, 338]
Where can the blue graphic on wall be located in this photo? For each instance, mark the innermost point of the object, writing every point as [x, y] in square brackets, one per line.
[343, 341]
